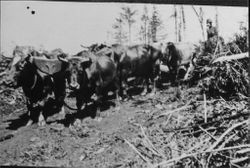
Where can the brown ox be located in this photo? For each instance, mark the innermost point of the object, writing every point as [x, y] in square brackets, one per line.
[134, 61]
[178, 57]
[89, 74]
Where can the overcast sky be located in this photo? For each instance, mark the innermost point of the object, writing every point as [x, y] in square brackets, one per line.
[66, 25]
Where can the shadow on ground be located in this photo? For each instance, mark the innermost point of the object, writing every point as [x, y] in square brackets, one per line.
[87, 111]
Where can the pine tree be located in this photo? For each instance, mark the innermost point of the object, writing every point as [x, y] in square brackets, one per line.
[127, 16]
[216, 19]
[175, 23]
[183, 22]
[155, 23]
[179, 26]
[119, 34]
[180, 23]
[144, 27]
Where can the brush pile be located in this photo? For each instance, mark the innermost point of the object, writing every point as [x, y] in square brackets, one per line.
[226, 73]
[4, 63]
[193, 132]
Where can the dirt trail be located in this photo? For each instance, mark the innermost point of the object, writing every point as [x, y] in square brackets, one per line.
[83, 142]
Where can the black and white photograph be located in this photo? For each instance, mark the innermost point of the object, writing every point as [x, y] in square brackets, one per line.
[110, 84]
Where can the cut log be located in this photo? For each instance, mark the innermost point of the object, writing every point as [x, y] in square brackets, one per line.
[231, 57]
[239, 160]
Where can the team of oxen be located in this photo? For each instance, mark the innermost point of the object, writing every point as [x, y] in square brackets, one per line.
[96, 70]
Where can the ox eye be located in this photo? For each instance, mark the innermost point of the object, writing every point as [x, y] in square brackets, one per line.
[67, 72]
[21, 65]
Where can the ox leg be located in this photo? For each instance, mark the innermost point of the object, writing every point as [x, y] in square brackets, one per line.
[147, 85]
[154, 77]
[119, 81]
[41, 119]
[98, 104]
[30, 122]
[79, 102]
[61, 108]
[118, 91]
[98, 109]
[118, 98]
[173, 77]
[154, 80]
[32, 113]
[29, 107]
[146, 90]
[123, 85]
[62, 112]
[60, 94]
[123, 89]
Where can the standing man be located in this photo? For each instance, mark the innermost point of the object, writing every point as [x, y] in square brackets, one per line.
[211, 30]
[214, 42]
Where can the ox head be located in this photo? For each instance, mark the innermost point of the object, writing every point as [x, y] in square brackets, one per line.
[167, 49]
[16, 67]
[75, 73]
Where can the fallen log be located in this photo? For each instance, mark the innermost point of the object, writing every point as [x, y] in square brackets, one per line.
[167, 162]
[231, 57]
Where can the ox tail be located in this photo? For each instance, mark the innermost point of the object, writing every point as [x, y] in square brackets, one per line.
[193, 57]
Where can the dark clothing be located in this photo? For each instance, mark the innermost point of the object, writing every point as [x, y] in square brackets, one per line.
[211, 32]
[214, 43]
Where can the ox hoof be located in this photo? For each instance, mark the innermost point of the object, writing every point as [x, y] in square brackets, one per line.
[41, 123]
[98, 119]
[117, 108]
[151, 94]
[119, 98]
[29, 123]
[61, 115]
[143, 93]
[126, 99]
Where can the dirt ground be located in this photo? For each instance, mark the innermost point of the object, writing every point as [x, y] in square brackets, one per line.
[134, 133]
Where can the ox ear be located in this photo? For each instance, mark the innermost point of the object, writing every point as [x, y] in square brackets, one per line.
[65, 62]
[170, 44]
[29, 58]
[62, 57]
[16, 59]
[86, 62]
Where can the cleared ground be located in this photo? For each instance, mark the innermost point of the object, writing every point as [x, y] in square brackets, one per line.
[140, 132]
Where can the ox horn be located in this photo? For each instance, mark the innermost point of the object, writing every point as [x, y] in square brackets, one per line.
[84, 46]
[6, 56]
[16, 59]
[85, 59]
[62, 59]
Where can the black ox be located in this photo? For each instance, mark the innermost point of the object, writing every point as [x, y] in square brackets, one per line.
[40, 79]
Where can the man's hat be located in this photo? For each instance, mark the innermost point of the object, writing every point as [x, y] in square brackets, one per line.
[209, 21]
